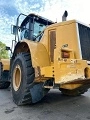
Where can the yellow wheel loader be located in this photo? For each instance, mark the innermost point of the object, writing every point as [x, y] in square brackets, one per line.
[49, 55]
[4, 73]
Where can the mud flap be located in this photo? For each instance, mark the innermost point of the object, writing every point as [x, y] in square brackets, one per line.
[37, 92]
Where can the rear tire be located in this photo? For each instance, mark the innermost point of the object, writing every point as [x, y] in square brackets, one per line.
[75, 92]
[22, 76]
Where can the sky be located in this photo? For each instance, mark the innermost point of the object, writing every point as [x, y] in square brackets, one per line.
[51, 9]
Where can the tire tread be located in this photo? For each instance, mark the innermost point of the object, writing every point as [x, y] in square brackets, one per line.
[26, 98]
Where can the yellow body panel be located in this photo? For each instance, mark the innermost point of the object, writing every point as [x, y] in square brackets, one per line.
[70, 86]
[5, 63]
[47, 71]
[39, 54]
[68, 34]
[68, 69]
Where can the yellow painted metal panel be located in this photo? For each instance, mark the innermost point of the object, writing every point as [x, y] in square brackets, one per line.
[70, 86]
[6, 64]
[39, 54]
[67, 34]
[68, 69]
[47, 71]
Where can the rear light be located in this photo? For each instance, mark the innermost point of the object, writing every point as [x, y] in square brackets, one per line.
[65, 54]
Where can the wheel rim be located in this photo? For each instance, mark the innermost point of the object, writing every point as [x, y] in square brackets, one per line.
[17, 78]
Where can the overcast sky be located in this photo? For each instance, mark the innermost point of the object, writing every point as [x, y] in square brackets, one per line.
[51, 9]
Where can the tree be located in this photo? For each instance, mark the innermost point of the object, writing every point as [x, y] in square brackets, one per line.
[3, 52]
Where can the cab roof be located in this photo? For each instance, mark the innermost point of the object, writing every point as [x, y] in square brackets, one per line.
[41, 19]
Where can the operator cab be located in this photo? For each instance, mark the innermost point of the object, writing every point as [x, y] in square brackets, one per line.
[32, 27]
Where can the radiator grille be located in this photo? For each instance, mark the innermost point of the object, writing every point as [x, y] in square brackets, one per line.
[84, 34]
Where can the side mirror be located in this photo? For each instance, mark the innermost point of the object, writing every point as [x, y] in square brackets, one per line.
[14, 29]
[8, 48]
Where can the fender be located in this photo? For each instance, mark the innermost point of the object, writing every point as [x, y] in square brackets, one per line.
[39, 55]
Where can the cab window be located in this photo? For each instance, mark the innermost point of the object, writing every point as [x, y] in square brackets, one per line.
[38, 28]
[25, 31]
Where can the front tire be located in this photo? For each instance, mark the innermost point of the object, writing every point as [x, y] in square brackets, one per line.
[22, 76]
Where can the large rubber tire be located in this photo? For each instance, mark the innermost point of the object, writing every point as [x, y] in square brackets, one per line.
[4, 84]
[75, 92]
[22, 94]
[4, 81]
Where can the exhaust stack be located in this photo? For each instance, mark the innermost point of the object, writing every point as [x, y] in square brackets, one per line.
[64, 17]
